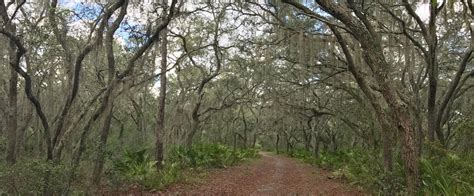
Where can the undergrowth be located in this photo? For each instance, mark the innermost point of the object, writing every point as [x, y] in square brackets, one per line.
[139, 168]
[27, 177]
[442, 174]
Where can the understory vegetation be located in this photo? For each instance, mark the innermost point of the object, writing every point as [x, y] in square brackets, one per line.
[444, 173]
[133, 170]
[138, 168]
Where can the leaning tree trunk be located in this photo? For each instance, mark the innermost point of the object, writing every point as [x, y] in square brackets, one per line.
[104, 135]
[195, 121]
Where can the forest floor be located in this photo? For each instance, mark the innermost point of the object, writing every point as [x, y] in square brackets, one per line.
[269, 175]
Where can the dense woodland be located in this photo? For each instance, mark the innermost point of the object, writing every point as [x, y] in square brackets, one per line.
[379, 91]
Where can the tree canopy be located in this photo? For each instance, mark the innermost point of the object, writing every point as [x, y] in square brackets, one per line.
[83, 82]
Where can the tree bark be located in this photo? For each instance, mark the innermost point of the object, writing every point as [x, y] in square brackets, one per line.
[12, 122]
[26, 118]
[194, 128]
[104, 135]
[316, 144]
[160, 117]
[244, 120]
[277, 144]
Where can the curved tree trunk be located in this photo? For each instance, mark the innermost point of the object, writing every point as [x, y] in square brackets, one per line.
[104, 135]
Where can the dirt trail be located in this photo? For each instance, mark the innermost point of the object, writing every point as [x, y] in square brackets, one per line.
[269, 175]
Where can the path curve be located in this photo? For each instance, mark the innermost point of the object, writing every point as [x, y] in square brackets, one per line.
[269, 175]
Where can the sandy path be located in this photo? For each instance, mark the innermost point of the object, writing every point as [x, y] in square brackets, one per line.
[269, 175]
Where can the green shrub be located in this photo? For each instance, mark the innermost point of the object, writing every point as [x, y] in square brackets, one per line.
[357, 166]
[302, 154]
[27, 177]
[443, 174]
[137, 167]
[169, 173]
[360, 168]
[447, 175]
[243, 154]
[209, 155]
